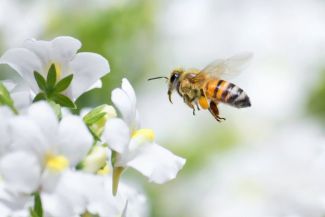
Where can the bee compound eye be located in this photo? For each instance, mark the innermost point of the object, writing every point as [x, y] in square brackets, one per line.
[173, 78]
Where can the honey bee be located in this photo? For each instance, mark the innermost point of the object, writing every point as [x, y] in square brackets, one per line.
[206, 88]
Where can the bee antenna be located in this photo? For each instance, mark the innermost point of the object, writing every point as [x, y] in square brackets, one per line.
[158, 78]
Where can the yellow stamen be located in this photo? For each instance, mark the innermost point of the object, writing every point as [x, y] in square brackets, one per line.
[56, 163]
[148, 134]
[58, 71]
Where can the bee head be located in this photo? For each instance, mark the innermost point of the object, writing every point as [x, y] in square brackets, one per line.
[174, 81]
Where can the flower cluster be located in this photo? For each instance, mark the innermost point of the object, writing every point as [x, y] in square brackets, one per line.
[55, 163]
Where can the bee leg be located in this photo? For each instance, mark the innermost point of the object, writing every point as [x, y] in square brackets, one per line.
[215, 111]
[197, 106]
[189, 103]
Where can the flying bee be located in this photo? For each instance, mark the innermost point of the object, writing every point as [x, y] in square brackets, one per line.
[206, 88]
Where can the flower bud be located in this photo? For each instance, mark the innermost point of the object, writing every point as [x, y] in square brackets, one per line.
[97, 118]
[95, 160]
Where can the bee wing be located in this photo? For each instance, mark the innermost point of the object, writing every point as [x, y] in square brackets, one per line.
[229, 67]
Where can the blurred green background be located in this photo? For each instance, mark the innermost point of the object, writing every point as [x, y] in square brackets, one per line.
[144, 38]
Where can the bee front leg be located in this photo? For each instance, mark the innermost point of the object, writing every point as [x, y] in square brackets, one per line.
[188, 102]
[197, 106]
[215, 111]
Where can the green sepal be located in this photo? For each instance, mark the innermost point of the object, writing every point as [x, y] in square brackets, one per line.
[95, 136]
[63, 100]
[39, 97]
[117, 172]
[63, 84]
[51, 77]
[80, 165]
[97, 118]
[92, 118]
[32, 213]
[5, 98]
[40, 80]
[113, 158]
[37, 210]
[88, 214]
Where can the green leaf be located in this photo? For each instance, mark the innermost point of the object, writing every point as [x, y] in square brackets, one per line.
[63, 84]
[63, 100]
[5, 98]
[38, 209]
[39, 97]
[51, 77]
[40, 81]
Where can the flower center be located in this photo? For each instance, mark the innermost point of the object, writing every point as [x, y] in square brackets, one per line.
[56, 163]
[147, 134]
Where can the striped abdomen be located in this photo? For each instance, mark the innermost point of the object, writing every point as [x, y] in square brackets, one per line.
[226, 92]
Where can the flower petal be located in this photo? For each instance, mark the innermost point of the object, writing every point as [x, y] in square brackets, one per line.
[25, 63]
[97, 84]
[42, 49]
[64, 48]
[20, 93]
[5, 115]
[27, 135]
[136, 202]
[21, 171]
[125, 106]
[21, 99]
[126, 86]
[55, 205]
[156, 163]
[117, 135]
[87, 68]
[60, 50]
[74, 139]
[43, 114]
[17, 204]
[72, 186]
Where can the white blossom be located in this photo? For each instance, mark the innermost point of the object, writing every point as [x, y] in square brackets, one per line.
[93, 193]
[86, 67]
[135, 146]
[40, 151]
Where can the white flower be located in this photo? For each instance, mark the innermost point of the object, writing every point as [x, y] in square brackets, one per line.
[47, 145]
[88, 192]
[86, 67]
[40, 151]
[135, 147]
[40, 131]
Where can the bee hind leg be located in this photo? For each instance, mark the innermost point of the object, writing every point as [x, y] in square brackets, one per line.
[215, 111]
